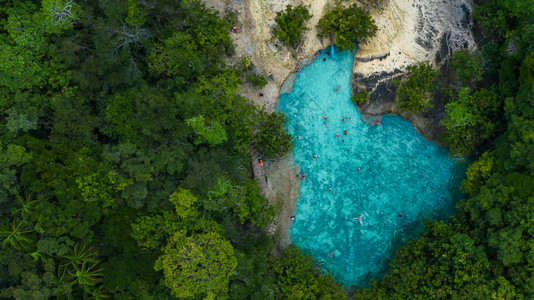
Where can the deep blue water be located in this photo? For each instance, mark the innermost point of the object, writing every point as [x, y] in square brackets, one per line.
[403, 178]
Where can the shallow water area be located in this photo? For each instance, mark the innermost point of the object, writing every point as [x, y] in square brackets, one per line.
[370, 189]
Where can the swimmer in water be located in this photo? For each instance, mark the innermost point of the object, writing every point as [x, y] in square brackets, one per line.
[299, 137]
[345, 132]
[337, 135]
[343, 120]
[325, 117]
[315, 157]
[359, 219]
[359, 170]
[350, 119]
[337, 88]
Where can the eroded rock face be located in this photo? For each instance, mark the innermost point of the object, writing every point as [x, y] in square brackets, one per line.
[253, 38]
[411, 31]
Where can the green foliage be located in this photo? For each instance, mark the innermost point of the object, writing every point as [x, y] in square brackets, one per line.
[350, 25]
[271, 138]
[257, 80]
[173, 56]
[199, 265]
[293, 277]
[195, 50]
[415, 92]
[212, 133]
[527, 69]
[470, 119]
[17, 235]
[99, 188]
[360, 98]
[17, 155]
[184, 203]
[486, 250]
[137, 13]
[244, 201]
[492, 17]
[108, 108]
[491, 57]
[247, 71]
[27, 205]
[477, 173]
[232, 18]
[467, 66]
[151, 231]
[439, 264]
[60, 14]
[290, 24]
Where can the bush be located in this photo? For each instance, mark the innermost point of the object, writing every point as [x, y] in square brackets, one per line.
[349, 24]
[290, 24]
[415, 93]
[360, 98]
[231, 18]
[471, 118]
[467, 66]
[257, 80]
[246, 64]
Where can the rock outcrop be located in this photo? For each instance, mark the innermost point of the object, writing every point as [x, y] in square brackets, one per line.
[411, 31]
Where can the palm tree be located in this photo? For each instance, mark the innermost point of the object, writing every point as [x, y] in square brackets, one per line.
[63, 284]
[18, 236]
[86, 275]
[99, 293]
[79, 254]
[28, 205]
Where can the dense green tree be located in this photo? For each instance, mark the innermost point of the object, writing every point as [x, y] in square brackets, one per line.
[470, 119]
[467, 66]
[17, 235]
[271, 138]
[441, 264]
[290, 24]
[200, 265]
[60, 14]
[350, 25]
[109, 107]
[360, 98]
[415, 91]
[293, 277]
[212, 133]
[477, 173]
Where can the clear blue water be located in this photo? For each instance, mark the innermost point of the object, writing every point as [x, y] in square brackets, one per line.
[403, 179]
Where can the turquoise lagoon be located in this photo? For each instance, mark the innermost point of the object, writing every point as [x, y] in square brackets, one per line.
[403, 178]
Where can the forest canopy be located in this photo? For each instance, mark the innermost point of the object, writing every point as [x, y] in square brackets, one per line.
[486, 250]
[125, 160]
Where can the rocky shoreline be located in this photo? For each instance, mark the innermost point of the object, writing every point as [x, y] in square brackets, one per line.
[409, 31]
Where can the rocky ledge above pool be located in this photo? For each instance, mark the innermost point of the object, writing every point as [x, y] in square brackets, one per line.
[411, 31]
